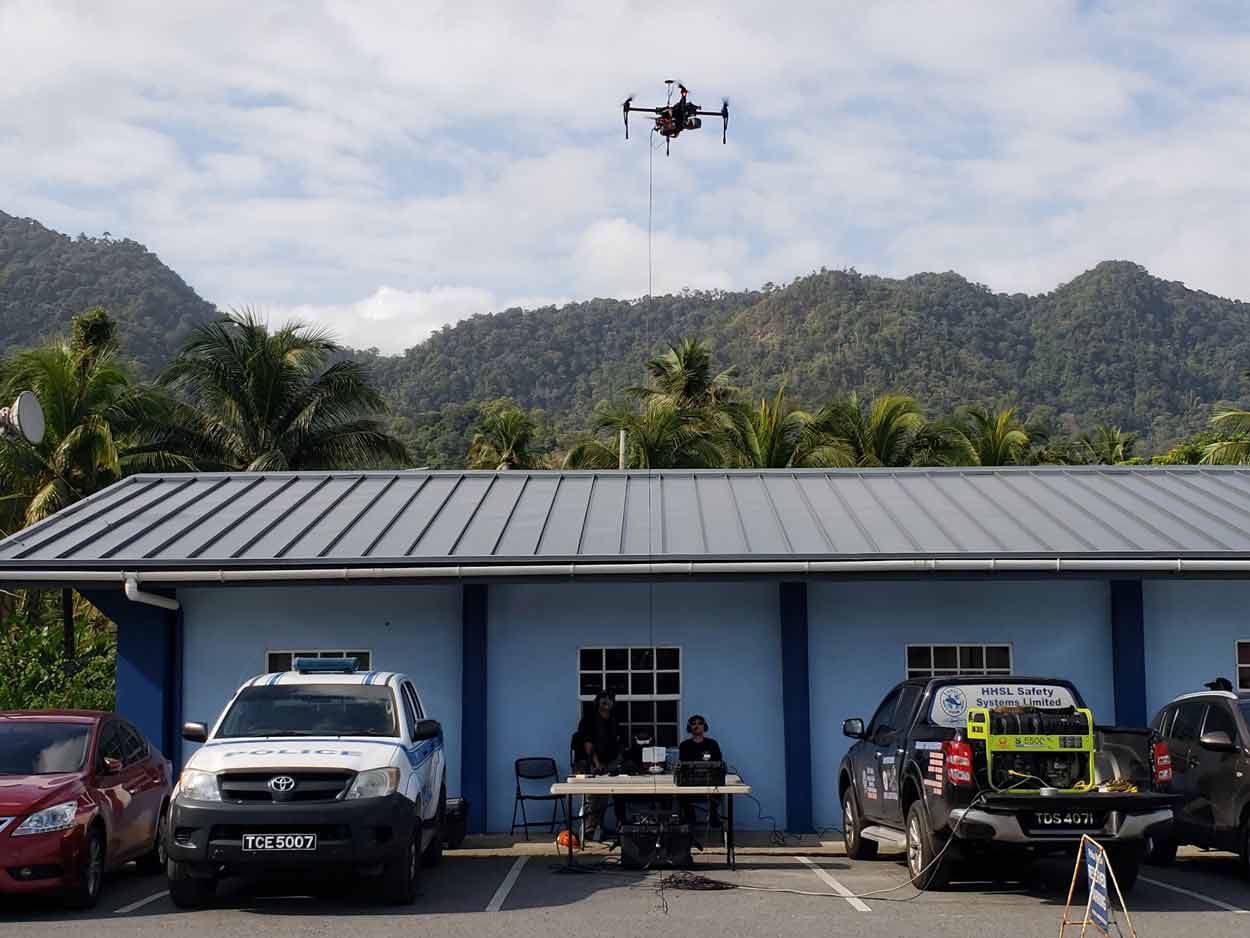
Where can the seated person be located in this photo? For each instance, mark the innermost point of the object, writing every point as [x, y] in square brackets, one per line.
[700, 748]
[633, 763]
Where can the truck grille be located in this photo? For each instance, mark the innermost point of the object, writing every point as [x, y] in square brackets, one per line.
[309, 785]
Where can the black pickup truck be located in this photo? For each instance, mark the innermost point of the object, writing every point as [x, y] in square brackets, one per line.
[998, 767]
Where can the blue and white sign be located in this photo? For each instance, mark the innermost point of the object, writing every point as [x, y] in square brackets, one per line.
[951, 703]
[1098, 910]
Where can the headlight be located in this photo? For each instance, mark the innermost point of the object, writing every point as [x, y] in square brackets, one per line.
[199, 786]
[56, 818]
[375, 783]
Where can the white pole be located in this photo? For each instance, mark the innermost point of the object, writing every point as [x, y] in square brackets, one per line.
[621, 451]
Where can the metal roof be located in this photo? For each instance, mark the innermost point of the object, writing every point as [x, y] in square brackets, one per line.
[428, 519]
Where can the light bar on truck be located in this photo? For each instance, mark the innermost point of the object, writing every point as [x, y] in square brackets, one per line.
[325, 665]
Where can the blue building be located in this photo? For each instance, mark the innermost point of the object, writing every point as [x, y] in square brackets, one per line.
[774, 602]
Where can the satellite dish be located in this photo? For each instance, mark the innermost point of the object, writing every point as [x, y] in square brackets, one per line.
[24, 418]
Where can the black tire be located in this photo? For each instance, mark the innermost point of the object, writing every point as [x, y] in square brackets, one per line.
[1161, 851]
[85, 891]
[1126, 864]
[153, 861]
[929, 868]
[433, 855]
[187, 891]
[401, 876]
[857, 848]
[1245, 847]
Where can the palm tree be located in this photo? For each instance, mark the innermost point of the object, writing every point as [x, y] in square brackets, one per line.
[505, 440]
[777, 435]
[254, 399]
[1234, 424]
[683, 376]
[991, 438]
[1107, 446]
[888, 431]
[659, 435]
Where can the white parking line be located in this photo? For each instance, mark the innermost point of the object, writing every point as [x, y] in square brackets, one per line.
[141, 903]
[501, 894]
[857, 904]
[1196, 895]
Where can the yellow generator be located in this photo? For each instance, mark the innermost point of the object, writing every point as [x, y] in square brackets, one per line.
[1029, 748]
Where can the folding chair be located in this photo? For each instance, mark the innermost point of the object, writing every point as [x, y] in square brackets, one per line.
[531, 773]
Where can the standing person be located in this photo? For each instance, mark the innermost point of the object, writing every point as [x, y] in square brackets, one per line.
[700, 748]
[600, 735]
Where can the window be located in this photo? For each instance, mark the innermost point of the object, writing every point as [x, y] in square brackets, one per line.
[133, 745]
[111, 745]
[1243, 665]
[881, 719]
[311, 710]
[1188, 719]
[954, 660]
[646, 682]
[285, 660]
[1220, 720]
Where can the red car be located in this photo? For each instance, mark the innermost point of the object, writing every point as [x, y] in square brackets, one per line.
[81, 792]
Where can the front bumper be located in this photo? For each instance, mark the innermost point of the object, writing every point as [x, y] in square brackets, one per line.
[360, 833]
[978, 824]
[40, 862]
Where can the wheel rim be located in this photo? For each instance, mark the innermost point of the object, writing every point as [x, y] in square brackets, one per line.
[913, 846]
[852, 835]
[95, 866]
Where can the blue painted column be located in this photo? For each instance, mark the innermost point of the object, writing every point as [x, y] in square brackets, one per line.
[473, 704]
[1128, 652]
[149, 672]
[796, 706]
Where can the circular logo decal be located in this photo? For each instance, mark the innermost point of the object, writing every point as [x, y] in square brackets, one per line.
[954, 703]
[281, 783]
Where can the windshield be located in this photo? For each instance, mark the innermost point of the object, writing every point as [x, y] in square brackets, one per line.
[952, 702]
[311, 710]
[43, 748]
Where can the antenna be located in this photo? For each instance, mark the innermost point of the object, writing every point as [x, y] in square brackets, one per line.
[23, 419]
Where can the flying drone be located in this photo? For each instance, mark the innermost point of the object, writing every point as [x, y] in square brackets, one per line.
[675, 116]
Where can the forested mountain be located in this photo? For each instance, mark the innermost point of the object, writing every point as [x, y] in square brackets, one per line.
[46, 277]
[1115, 345]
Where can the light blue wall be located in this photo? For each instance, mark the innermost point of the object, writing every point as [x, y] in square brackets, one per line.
[1192, 628]
[731, 672]
[413, 629]
[858, 633]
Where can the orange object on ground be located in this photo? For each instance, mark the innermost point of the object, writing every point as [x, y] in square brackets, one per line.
[563, 841]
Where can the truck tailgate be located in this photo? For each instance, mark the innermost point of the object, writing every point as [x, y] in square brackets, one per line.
[1129, 803]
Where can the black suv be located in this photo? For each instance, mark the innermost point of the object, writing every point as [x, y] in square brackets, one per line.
[1208, 736]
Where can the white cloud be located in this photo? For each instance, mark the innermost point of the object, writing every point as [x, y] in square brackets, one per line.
[444, 159]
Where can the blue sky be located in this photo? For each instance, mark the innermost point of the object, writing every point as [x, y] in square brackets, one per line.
[387, 168]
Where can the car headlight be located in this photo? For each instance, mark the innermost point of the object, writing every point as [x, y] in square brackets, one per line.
[59, 817]
[375, 783]
[199, 786]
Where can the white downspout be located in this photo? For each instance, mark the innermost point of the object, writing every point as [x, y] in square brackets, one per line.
[134, 594]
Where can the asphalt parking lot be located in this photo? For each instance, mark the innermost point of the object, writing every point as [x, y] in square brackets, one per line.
[500, 893]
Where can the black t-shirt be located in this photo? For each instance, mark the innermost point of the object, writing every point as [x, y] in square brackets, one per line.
[604, 735]
[706, 751]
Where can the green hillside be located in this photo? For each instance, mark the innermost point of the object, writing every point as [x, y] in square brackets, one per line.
[1115, 345]
[46, 277]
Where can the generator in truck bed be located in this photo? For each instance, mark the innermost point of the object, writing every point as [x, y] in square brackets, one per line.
[956, 770]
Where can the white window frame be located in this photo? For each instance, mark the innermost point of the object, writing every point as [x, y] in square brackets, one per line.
[957, 671]
[627, 723]
[315, 653]
[1242, 671]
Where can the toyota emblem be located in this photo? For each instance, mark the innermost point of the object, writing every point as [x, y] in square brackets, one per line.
[281, 783]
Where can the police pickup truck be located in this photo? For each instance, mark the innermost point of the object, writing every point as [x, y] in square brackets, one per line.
[986, 768]
[319, 769]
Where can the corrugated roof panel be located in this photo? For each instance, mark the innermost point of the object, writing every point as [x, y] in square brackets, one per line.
[520, 537]
[682, 525]
[446, 528]
[250, 519]
[601, 537]
[568, 516]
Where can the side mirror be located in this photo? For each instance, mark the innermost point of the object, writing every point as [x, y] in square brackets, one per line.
[111, 766]
[427, 729]
[1217, 741]
[194, 732]
[853, 728]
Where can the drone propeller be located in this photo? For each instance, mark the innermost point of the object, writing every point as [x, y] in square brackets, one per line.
[724, 113]
[625, 114]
